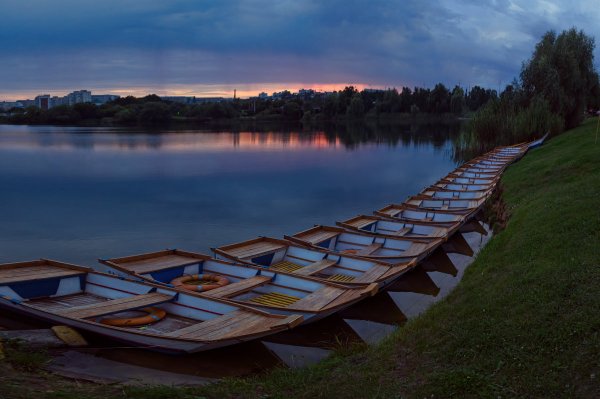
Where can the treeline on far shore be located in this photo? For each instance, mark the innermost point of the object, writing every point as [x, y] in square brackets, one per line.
[439, 103]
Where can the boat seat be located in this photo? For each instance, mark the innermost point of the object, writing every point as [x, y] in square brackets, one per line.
[368, 250]
[372, 274]
[362, 223]
[315, 267]
[116, 305]
[285, 266]
[238, 287]
[226, 325]
[31, 273]
[403, 231]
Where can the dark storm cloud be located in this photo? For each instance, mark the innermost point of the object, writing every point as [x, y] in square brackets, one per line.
[68, 44]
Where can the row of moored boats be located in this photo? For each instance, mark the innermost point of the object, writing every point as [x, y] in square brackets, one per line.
[179, 301]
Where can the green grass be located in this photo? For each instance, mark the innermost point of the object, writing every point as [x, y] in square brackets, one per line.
[22, 358]
[523, 322]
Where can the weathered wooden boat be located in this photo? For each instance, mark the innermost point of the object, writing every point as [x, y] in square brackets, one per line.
[454, 179]
[459, 207]
[283, 256]
[173, 321]
[396, 228]
[473, 173]
[487, 162]
[386, 249]
[537, 143]
[452, 186]
[249, 285]
[482, 168]
[402, 212]
[434, 192]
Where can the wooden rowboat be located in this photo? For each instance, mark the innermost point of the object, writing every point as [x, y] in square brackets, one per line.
[473, 173]
[452, 186]
[396, 228]
[434, 192]
[454, 179]
[386, 249]
[283, 256]
[464, 207]
[402, 212]
[537, 143]
[75, 296]
[249, 285]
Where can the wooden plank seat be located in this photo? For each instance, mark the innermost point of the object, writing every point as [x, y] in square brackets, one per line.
[368, 250]
[13, 275]
[116, 305]
[403, 231]
[317, 236]
[359, 224]
[159, 263]
[239, 287]
[218, 327]
[320, 299]
[372, 274]
[315, 267]
[255, 249]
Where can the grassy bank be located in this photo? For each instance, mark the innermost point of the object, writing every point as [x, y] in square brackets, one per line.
[524, 322]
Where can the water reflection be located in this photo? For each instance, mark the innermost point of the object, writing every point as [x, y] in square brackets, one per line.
[77, 194]
[350, 136]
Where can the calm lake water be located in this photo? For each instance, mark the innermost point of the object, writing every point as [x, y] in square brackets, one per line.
[77, 194]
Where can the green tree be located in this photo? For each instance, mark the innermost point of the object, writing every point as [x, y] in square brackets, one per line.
[86, 110]
[561, 71]
[457, 100]
[154, 113]
[356, 109]
[440, 99]
[291, 110]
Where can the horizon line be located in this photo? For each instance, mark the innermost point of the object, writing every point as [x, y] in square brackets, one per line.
[244, 91]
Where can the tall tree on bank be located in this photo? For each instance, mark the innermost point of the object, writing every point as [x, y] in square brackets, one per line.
[561, 71]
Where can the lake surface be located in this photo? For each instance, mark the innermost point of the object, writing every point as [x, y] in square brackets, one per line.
[77, 194]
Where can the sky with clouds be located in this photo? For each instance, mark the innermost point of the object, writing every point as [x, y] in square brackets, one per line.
[210, 47]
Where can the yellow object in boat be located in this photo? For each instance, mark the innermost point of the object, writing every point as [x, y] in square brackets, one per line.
[69, 336]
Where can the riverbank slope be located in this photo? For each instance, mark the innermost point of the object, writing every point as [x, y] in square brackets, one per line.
[524, 321]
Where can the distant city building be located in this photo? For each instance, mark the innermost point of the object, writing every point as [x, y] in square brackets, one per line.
[263, 95]
[79, 96]
[282, 95]
[306, 93]
[6, 105]
[27, 103]
[43, 102]
[99, 99]
[56, 101]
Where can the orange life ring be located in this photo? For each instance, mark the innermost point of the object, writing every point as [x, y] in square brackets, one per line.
[218, 281]
[153, 315]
